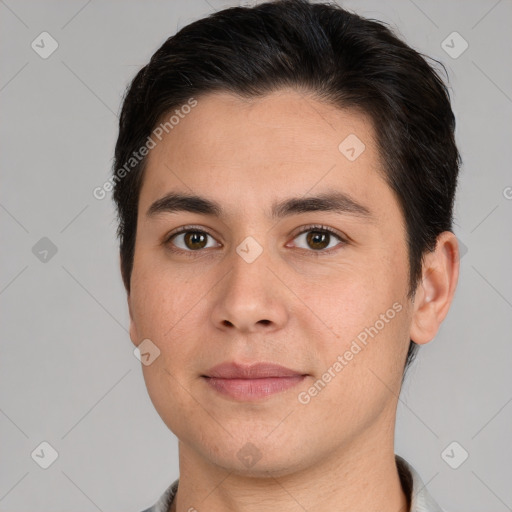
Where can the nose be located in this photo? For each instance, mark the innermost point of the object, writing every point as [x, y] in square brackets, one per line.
[251, 297]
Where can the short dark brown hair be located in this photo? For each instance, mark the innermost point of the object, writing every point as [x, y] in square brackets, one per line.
[345, 60]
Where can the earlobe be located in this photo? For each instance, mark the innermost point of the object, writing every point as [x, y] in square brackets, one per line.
[435, 293]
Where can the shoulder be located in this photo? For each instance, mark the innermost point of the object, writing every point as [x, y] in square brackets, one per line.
[165, 500]
[421, 500]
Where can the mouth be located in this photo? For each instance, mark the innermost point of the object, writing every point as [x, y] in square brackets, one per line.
[251, 382]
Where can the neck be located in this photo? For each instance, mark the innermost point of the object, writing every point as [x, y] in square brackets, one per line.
[356, 478]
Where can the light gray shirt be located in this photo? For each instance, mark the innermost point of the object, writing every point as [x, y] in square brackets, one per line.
[421, 500]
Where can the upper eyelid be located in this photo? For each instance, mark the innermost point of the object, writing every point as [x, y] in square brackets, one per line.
[186, 229]
[319, 227]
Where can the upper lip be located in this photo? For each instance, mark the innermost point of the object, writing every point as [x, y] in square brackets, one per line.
[232, 370]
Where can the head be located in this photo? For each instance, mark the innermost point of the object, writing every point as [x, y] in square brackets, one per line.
[241, 112]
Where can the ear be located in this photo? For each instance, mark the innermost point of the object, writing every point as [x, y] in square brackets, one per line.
[133, 330]
[440, 273]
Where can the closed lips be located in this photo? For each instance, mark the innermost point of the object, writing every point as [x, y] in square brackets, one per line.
[233, 370]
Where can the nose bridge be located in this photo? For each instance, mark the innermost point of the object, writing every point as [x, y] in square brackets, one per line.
[250, 274]
[250, 297]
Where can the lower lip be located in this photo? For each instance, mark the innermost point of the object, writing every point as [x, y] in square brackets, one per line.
[253, 389]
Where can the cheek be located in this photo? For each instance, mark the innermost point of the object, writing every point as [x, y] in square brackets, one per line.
[163, 314]
[366, 333]
[169, 310]
[353, 304]
[158, 297]
[362, 370]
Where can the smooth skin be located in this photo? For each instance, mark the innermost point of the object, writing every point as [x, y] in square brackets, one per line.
[299, 304]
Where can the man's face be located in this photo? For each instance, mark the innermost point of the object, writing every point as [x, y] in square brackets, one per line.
[286, 295]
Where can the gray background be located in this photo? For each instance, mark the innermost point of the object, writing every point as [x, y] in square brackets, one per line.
[68, 375]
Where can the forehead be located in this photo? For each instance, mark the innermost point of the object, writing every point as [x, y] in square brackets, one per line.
[294, 123]
[245, 151]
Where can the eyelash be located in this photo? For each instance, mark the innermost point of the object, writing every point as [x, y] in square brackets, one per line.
[313, 227]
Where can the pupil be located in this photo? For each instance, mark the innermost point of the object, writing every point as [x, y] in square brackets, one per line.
[194, 237]
[317, 237]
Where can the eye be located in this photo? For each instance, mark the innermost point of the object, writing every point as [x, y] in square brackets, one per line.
[189, 239]
[319, 239]
[315, 239]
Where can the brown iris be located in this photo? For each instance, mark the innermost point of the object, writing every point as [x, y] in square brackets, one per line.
[317, 239]
[195, 239]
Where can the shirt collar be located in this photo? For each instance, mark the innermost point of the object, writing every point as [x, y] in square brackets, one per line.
[420, 498]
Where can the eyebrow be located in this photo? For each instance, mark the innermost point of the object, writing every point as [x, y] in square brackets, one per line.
[337, 202]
